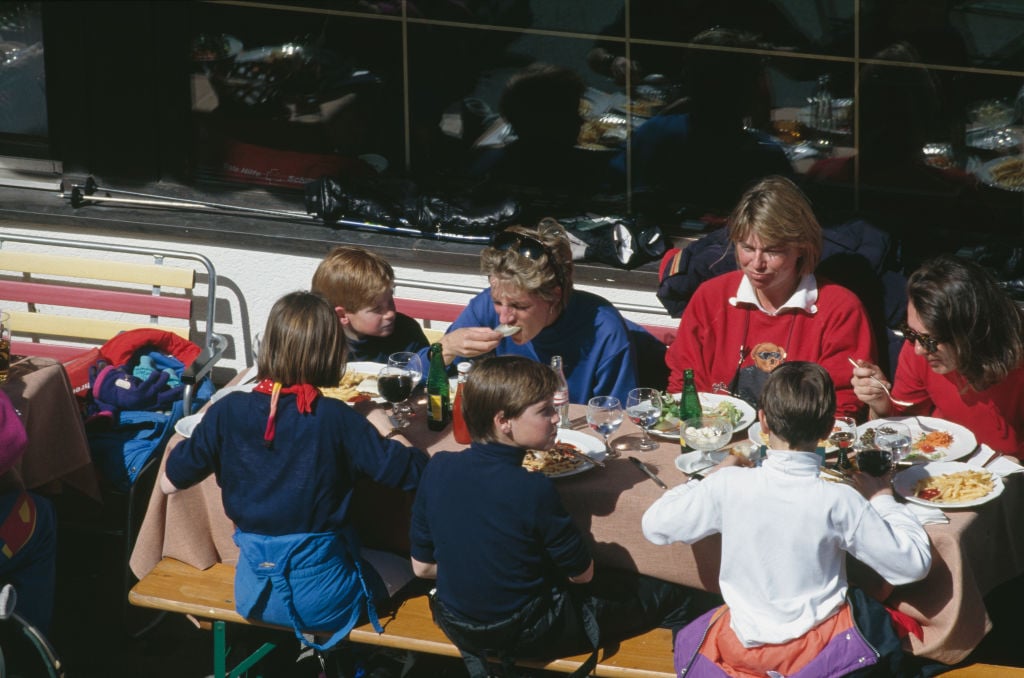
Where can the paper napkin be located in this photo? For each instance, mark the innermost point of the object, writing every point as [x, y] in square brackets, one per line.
[1000, 465]
[927, 515]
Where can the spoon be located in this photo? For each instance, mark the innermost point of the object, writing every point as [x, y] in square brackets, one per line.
[901, 403]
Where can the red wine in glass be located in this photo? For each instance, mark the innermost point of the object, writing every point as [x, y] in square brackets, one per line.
[874, 462]
[395, 385]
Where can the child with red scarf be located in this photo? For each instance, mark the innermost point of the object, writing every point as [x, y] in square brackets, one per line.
[287, 459]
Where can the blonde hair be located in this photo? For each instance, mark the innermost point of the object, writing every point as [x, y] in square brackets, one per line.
[508, 384]
[778, 213]
[540, 275]
[353, 278]
[303, 342]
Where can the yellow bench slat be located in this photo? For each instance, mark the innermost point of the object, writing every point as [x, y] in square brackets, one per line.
[97, 269]
[37, 324]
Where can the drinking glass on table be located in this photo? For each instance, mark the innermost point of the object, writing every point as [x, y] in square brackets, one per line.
[874, 461]
[844, 437]
[411, 363]
[895, 438]
[604, 414]
[643, 405]
[395, 385]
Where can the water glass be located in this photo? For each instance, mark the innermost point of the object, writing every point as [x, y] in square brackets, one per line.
[604, 414]
[894, 437]
[643, 405]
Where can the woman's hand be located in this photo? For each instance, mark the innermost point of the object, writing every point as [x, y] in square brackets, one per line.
[867, 389]
[469, 342]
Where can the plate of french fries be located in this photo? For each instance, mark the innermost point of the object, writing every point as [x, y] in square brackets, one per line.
[357, 384]
[947, 485]
[1006, 173]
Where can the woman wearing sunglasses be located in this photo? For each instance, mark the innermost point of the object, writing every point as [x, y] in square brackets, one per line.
[963, 358]
[530, 273]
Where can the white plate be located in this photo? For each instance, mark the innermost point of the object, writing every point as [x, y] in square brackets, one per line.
[184, 426]
[585, 443]
[964, 441]
[754, 434]
[368, 385]
[688, 462]
[905, 481]
[245, 385]
[709, 401]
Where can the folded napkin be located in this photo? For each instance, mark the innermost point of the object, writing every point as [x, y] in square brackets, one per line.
[928, 515]
[1000, 465]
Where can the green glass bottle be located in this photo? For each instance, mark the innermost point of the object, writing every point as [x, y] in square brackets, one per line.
[439, 410]
[689, 405]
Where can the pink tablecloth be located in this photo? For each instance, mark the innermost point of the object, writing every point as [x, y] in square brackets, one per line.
[58, 451]
[976, 551]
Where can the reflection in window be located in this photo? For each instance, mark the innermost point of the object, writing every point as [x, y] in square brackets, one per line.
[22, 73]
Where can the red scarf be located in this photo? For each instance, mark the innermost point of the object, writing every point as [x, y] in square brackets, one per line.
[304, 397]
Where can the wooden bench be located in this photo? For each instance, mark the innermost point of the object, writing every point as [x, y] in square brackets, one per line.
[207, 596]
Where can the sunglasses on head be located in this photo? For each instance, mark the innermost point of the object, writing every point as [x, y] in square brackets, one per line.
[522, 244]
[928, 343]
[529, 247]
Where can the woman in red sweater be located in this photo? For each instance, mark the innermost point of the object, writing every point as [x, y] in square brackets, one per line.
[963, 358]
[739, 326]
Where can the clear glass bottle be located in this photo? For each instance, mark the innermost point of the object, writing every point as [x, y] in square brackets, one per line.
[458, 421]
[821, 113]
[562, 394]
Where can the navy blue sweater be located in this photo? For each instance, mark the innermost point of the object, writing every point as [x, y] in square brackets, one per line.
[499, 534]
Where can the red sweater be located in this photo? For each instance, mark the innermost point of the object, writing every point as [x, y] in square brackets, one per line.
[712, 330]
[995, 415]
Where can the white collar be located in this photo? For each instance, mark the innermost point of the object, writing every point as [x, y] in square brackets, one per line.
[793, 461]
[804, 298]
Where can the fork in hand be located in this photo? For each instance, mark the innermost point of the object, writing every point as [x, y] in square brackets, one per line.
[881, 385]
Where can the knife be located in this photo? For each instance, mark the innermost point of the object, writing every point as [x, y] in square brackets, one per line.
[643, 467]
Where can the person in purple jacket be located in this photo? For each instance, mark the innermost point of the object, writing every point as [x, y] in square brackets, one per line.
[531, 295]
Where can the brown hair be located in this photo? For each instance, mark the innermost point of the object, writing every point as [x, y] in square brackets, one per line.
[960, 304]
[303, 342]
[799, 403]
[777, 212]
[352, 278]
[542, 275]
[508, 384]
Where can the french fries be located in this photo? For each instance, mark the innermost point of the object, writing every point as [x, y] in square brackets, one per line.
[955, 487]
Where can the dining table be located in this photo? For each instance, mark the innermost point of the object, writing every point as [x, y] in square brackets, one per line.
[975, 551]
[57, 456]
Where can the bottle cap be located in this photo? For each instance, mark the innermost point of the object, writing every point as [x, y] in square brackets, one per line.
[464, 367]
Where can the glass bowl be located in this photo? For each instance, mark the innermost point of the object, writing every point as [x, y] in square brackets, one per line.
[706, 433]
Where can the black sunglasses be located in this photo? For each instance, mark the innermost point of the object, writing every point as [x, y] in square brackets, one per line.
[929, 343]
[523, 245]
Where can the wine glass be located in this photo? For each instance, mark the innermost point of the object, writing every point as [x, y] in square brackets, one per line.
[706, 433]
[894, 437]
[604, 414]
[643, 405]
[874, 461]
[395, 384]
[844, 436]
[411, 363]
